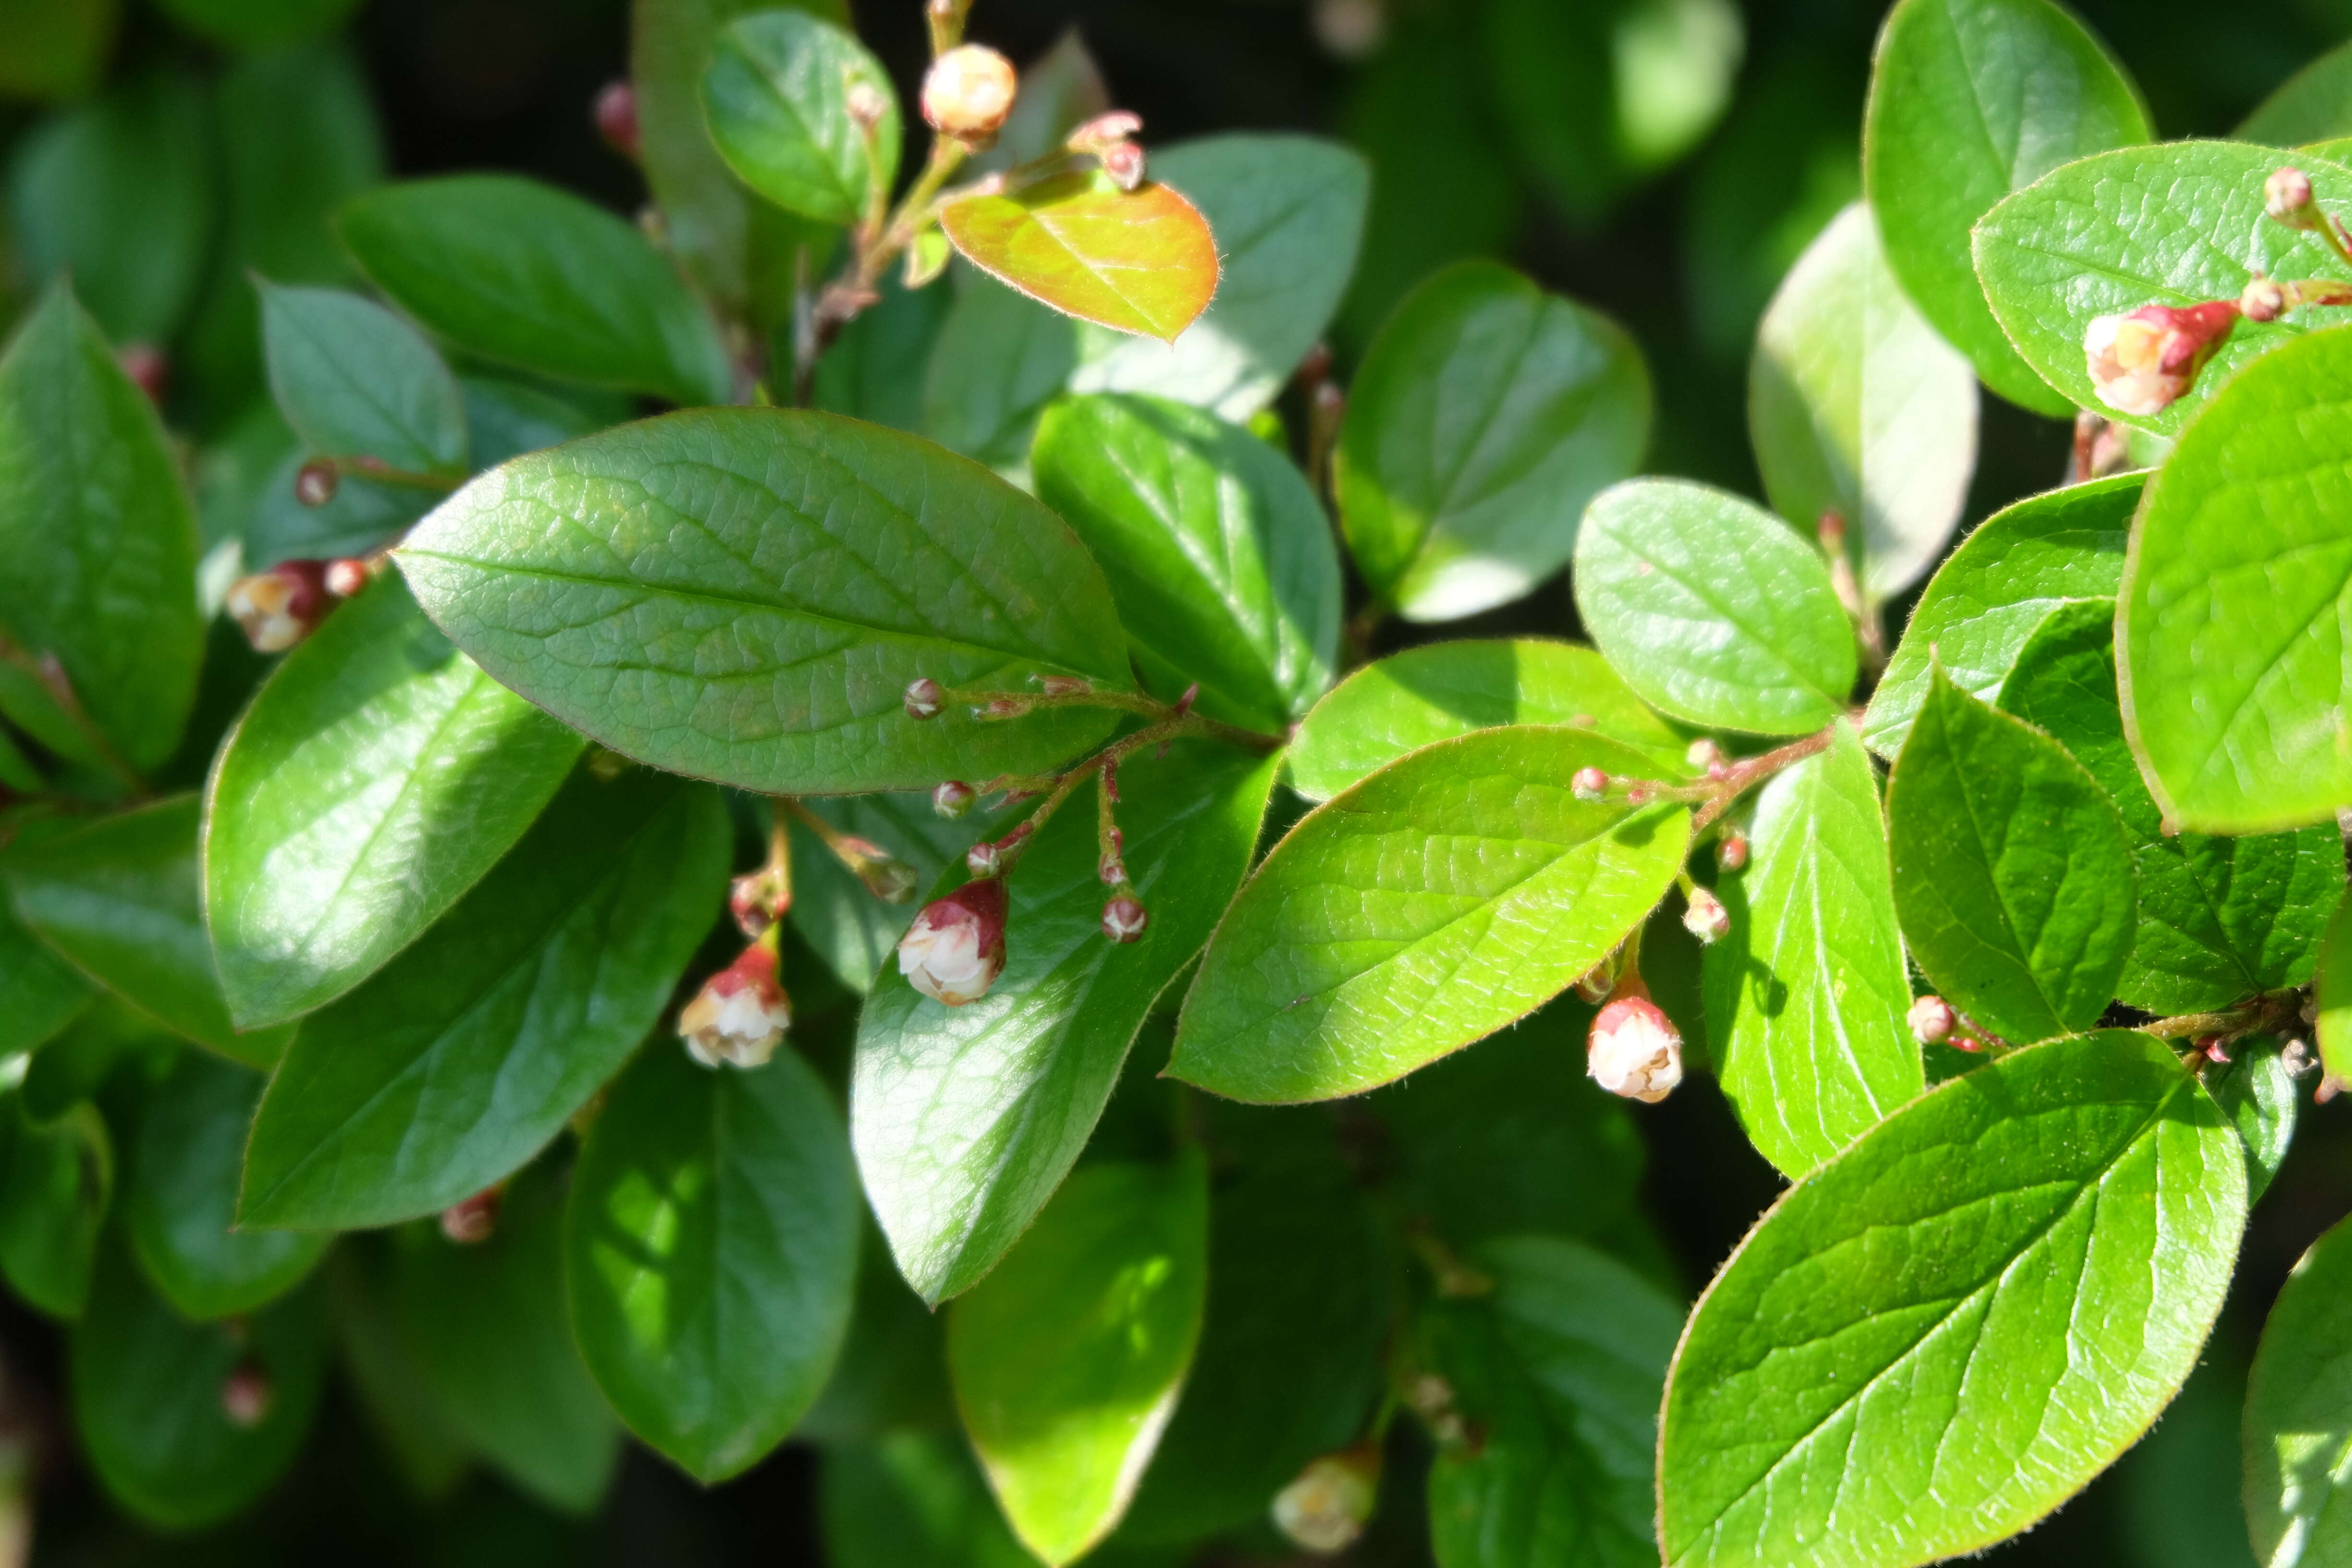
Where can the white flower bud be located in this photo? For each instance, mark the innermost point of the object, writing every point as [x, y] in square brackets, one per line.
[1325, 1509]
[955, 950]
[1589, 783]
[1634, 1050]
[968, 92]
[1932, 1020]
[739, 1016]
[1704, 917]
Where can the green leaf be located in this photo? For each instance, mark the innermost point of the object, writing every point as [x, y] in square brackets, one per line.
[363, 517]
[913, 1500]
[1487, 416]
[1807, 997]
[119, 898]
[1139, 261]
[1558, 1372]
[1855, 407]
[147, 1398]
[56, 48]
[2172, 225]
[179, 1196]
[1437, 901]
[100, 540]
[892, 1373]
[875, 369]
[2332, 991]
[378, 774]
[1288, 213]
[1217, 551]
[2219, 918]
[119, 194]
[1713, 609]
[356, 381]
[84, 1059]
[744, 595]
[459, 1059]
[2231, 630]
[2298, 1427]
[486, 1324]
[835, 912]
[999, 358]
[965, 1119]
[508, 418]
[1936, 1339]
[711, 1250]
[1067, 1359]
[2314, 104]
[55, 1181]
[2012, 874]
[2258, 1095]
[1970, 99]
[776, 98]
[254, 23]
[530, 276]
[2013, 572]
[40, 993]
[384, 1371]
[1406, 701]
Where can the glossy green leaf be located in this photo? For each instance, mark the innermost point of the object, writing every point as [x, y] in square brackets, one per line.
[2332, 991]
[1936, 1339]
[744, 595]
[390, 1387]
[1440, 898]
[378, 774]
[1216, 549]
[82, 1062]
[2172, 225]
[147, 1397]
[1855, 407]
[101, 541]
[711, 1251]
[1970, 99]
[486, 1323]
[2012, 873]
[1139, 261]
[2314, 104]
[838, 914]
[1807, 997]
[1713, 609]
[2298, 1425]
[1485, 417]
[56, 48]
[506, 418]
[57, 1179]
[363, 517]
[892, 1373]
[179, 1196]
[1558, 1372]
[2259, 1096]
[530, 276]
[1287, 213]
[120, 194]
[875, 369]
[356, 381]
[914, 1500]
[1408, 699]
[965, 1119]
[998, 359]
[1067, 1359]
[460, 1059]
[39, 991]
[2013, 572]
[2232, 627]
[2219, 918]
[119, 898]
[776, 98]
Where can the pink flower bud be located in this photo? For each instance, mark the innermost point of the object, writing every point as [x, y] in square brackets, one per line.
[984, 858]
[1731, 851]
[280, 607]
[968, 92]
[1325, 1510]
[953, 798]
[740, 1013]
[617, 119]
[1704, 917]
[2287, 196]
[2262, 299]
[316, 481]
[1932, 1020]
[955, 950]
[2142, 362]
[1124, 918]
[1124, 162]
[1104, 130]
[2214, 1052]
[1111, 868]
[1634, 1050]
[147, 369]
[346, 575]
[1589, 783]
[757, 899]
[247, 1394]
[475, 1220]
[924, 698]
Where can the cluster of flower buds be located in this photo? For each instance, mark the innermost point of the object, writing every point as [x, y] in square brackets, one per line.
[1111, 139]
[617, 119]
[955, 950]
[1325, 1510]
[968, 93]
[280, 606]
[1633, 1048]
[739, 1016]
[474, 1220]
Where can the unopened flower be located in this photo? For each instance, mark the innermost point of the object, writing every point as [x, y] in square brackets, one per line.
[1124, 918]
[280, 607]
[953, 798]
[1932, 1020]
[865, 104]
[474, 1220]
[1703, 755]
[316, 481]
[758, 900]
[617, 119]
[1589, 783]
[1124, 163]
[2263, 300]
[2296, 1057]
[1731, 850]
[1111, 866]
[1704, 917]
[1104, 130]
[885, 875]
[740, 1013]
[147, 369]
[346, 575]
[2141, 362]
[1325, 1510]
[1634, 1050]
[2287, 198]
[968, 92]
[247, 1394]
[955, 950]
[924, 698]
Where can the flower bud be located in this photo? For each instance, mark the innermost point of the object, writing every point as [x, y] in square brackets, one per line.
[740, 1013]
[2215, 1052]
[280, 607]
[885, 875]
[757, 899]
[1703, 755]
[953, 798]
[1325, 1510]
[1111, 868]
[1104, 131]
[346, 575]
[2287, 196]
[1731, 851]
[1704, 917]
[617, 119]
[1932, 1020]
[867, 105]
[315, 482]
[2296, 1057]
[968, 92]
[998, 708]
[147, 369]
[924, 698]
[1065, 685]
[247, 1394]
[474, 1220]
[1634, 1050]
[1124, 918]
[2263, 300]
[984, 858]
[1589, 783]
[1123, 162]
[2141, 362]
[955, 950]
